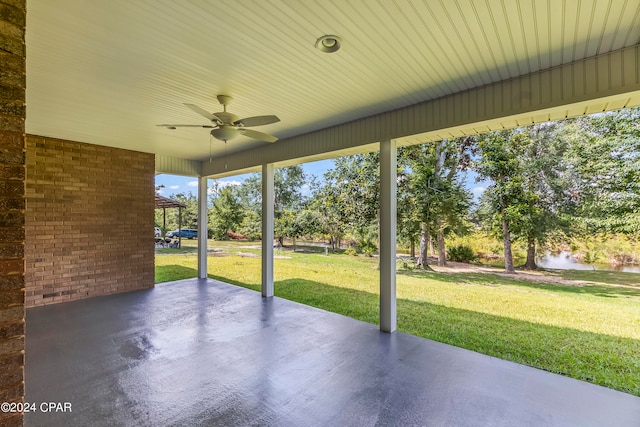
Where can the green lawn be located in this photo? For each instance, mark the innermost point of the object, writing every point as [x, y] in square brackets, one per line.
[590, 332]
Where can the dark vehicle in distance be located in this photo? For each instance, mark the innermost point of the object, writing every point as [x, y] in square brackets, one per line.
[185, 233]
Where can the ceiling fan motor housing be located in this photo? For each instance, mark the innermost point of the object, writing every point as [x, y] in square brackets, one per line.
[227, 118]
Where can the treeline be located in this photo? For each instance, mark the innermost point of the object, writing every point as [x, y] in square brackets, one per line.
[545, 184]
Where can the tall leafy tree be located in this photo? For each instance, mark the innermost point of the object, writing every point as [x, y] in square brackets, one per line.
[227, 212]
[529, 197]
[547, 187]
[605, 158]
[305, 222]
[408, 216]
[442, 201]
[250, 196]
[288, 184]
[328, 203]
[356, 180]
[499, 161]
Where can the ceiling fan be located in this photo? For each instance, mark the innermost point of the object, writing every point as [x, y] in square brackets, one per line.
[227, 126]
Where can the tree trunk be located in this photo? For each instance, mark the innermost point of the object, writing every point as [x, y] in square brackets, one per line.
[421, 262]
[412, 241]
[508, 256]
[442, 253]
[432, 246]
[531, 254]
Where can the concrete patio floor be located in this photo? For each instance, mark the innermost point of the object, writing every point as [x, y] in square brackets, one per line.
[202, 352]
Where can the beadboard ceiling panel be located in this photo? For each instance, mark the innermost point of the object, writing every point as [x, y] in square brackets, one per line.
[107, 72]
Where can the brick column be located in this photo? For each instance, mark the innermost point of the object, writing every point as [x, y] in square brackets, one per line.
[12, 205]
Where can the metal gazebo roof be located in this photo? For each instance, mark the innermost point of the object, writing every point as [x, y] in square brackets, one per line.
[165, 202]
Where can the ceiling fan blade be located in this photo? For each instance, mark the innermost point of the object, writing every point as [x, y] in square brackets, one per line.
[256, 121]
[186, 126]
[203, 113]
[257, 135]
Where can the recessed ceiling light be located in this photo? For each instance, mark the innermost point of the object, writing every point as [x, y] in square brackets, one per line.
[328, 43]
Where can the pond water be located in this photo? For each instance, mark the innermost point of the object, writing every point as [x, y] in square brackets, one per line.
[564, 261]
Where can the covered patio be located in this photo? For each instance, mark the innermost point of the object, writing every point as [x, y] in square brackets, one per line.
[202, 352]
[85, 86]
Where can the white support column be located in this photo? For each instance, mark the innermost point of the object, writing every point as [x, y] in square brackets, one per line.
[203, 226]
[388, 202]
[267, 229]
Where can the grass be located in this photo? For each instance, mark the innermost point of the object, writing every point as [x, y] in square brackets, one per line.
[603, 276]
[589, 332]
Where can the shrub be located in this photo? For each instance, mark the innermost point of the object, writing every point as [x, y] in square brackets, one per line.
[461, 253]
[404, 263]
[350, 251]
[367, 247]
[236, 236]
[481, 243]
[368, 251]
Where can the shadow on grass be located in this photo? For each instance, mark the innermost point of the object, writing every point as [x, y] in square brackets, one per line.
[602, 359]
[602, 276]
[488, 279]
[169, 273]
[174, 251]
[302, 248]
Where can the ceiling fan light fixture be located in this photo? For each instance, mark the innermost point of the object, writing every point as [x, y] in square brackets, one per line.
[225, 133]
[328, 43]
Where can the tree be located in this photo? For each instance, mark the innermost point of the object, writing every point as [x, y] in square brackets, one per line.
[250, 197]
[288, 183]
[357, 181]
[227, 212]
[499, 161]
[408, 217]
[327, 203]
[604, 156]
[304, 223]
[442, 201]
[528, 197]
[546, 186]
[251, 225]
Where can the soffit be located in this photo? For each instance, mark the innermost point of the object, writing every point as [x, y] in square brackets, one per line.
[108, 72]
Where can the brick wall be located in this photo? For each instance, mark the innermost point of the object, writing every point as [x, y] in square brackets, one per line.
[89, 221]
[12, 214]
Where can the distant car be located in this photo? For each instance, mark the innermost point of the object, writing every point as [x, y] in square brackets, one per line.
[158, 232]
[185, 233]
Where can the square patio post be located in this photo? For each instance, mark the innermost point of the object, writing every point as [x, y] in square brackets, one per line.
[267, 229]
[203, 227]
[388, 201]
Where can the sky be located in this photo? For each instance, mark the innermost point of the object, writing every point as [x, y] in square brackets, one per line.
[174, 184]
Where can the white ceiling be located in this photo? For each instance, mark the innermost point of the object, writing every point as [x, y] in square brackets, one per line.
[107, 72]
